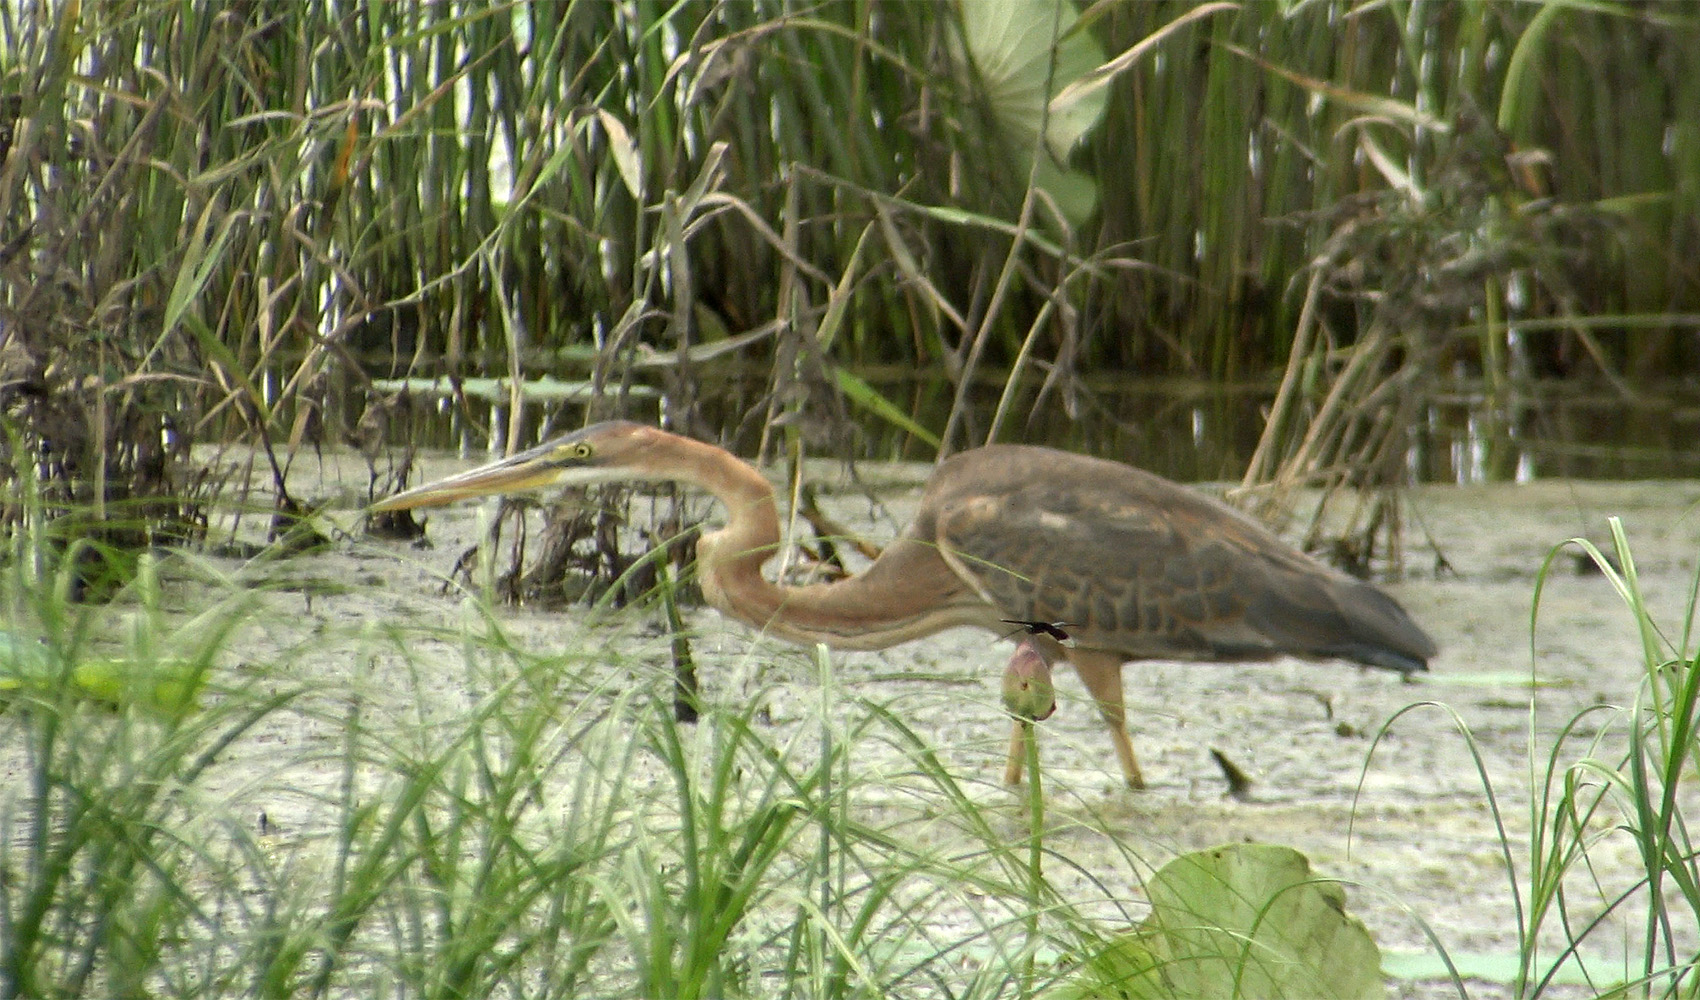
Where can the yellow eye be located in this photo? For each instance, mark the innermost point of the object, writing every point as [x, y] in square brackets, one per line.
[578, 451]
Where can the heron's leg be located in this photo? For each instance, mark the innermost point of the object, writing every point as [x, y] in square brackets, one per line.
[1017, 755]
[1027, 691]
[1102, 675]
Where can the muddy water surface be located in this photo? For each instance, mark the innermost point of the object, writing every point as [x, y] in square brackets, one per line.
[1413, 831]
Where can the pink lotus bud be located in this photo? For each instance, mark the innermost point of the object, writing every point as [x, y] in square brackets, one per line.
[1027, 690]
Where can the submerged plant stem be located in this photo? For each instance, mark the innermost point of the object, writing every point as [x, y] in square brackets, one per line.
[1035, 850]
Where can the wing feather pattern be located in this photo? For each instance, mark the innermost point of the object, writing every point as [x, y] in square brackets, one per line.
[1140, 566]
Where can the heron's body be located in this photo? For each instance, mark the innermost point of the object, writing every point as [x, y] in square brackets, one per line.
[1138, 567]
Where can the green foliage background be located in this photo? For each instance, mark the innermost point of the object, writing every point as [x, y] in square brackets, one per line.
[221, 221]
[220, 217]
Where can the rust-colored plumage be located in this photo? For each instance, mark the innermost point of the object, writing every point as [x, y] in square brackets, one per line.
[1136, 566]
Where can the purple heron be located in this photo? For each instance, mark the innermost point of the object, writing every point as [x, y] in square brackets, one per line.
[1138, 567]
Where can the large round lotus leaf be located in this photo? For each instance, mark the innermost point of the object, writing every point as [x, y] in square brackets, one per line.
[166, 687]
[1026, 52]
[1013, 44]
[1244, 920]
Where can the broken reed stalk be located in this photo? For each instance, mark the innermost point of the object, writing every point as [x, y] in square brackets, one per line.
[1357, 437]
[1282, 412]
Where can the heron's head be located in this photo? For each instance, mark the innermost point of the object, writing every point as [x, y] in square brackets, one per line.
[608, 452]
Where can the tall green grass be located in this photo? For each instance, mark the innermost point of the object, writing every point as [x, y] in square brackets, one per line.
[249, 210]
[1635, 783]
[451, 815]
[1613, 775]
[423, 809]
[103, 844]
[224, 223]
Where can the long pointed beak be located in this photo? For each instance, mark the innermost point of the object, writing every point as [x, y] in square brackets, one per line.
[528, 470]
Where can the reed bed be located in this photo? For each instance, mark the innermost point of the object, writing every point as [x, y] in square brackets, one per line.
[324, 819]
[547, 830]
[220, 224]
[223, 220]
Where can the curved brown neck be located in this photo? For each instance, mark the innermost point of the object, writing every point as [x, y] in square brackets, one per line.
[870, 611]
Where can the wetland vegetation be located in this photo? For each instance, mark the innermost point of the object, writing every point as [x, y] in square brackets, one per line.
[252, 252]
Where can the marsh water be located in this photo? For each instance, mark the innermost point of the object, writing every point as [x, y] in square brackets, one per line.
[1383, 783]
[1187, 430]
[1413, 824]
[1397, 787]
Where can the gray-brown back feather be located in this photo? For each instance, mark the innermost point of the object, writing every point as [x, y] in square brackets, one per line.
[1146, 568]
